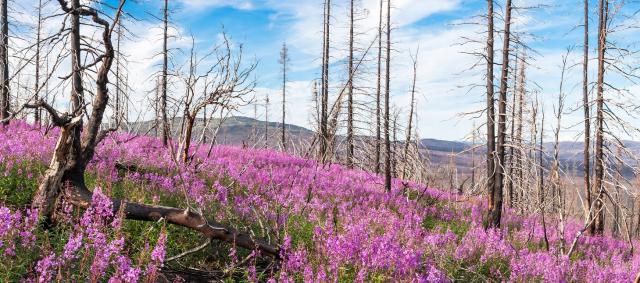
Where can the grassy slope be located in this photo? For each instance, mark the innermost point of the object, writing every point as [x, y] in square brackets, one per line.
[334, 223]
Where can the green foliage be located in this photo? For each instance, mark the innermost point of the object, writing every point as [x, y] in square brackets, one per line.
[301, 231]
[433, 223]
[18, 185]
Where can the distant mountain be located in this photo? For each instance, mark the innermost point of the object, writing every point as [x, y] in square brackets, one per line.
[232, 130]
[239, 130]
[444, 146]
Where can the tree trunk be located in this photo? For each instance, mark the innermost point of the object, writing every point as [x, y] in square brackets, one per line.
[165, 59]
[284, 57]
[324, 114]
[495, 212]
[118, 80]
[4, 62]
[37, 113]
[188, 132]
[407, 140]
[378, 91]
[491, 136]
[520, 151]
[511, 137]
[599, 150]
[387, 142]
[350, 92]
[587, 121]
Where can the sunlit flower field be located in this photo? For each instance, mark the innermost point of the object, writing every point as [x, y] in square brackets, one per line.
[332, 223]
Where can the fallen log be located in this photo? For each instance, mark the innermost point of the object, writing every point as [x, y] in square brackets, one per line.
[182, 217]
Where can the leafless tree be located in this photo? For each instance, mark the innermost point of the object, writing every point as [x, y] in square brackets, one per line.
[4, 62]
[350, 141]
[324, 115]
[587, 119]
[223, 86]
[491, 137]
[163, 83]
[77, 140]
[407, 141]
[387, 141]
[603, 14]
[495, 210]
[378, 141]
[284, 60]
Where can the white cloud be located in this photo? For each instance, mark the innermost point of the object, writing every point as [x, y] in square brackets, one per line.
[194, 5]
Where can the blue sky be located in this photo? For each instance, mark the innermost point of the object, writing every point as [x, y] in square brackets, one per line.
[437, 27]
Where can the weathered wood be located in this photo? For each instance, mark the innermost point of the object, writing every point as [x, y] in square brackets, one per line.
[187, 218]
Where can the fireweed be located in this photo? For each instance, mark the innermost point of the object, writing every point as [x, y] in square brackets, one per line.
[333, 223]
[94, 249]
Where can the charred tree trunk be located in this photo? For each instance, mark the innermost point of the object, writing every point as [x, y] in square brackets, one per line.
[587, 121]
[350, 147]
[495, 211]
[378, 91]
[117, 103]
[324, 114]
[512, 135]
[188, 132]
[165, 61]
[491, 136]
[37, 112]
[387, 142]
[407, 140]
[284, 58]
[4, 62]
[519, 139]
[599, 146]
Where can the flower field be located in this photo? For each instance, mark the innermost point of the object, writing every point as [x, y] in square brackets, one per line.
[333, 224]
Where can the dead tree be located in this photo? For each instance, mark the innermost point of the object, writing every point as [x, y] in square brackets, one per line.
[38, 112]
[541, 178]
[350, 146]
[163, 83]
[587, 120]
[603, 13]
[387, 141]
[4, 62]
[223, 86]
[73, 152]
[512, 146]
[407, 141]
[495, 210]
[266, 121]
[118, 111]
[519, 137]
[379, 92]
[491, 136]
[324, 114]
[284, 59]
[556, 189]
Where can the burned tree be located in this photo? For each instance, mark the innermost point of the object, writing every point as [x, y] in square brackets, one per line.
[491, 136]
[587, 119]
[407, 141]
[4, 62]
[284, 59]
[387, 141]
[350, 146]
[603, 13]
[163, 83]
[324, 104]
[73, 152]
[378, 141]
[222, 86]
